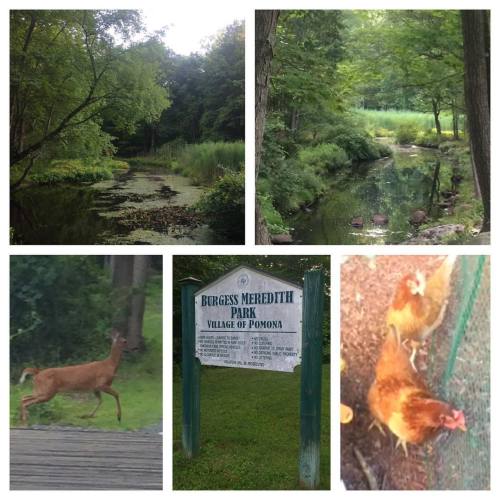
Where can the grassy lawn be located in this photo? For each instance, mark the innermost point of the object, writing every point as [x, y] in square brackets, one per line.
[139, 382]
[249, 431]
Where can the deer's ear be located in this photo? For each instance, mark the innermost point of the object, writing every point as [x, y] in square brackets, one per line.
[114, 334]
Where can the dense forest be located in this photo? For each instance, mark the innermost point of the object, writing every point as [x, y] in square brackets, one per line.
[98, 101]
[372, 126]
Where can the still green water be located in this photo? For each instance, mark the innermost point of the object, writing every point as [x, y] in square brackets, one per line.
[79, 214]
[391, 186]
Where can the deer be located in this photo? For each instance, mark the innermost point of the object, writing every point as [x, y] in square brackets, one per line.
[96, 376]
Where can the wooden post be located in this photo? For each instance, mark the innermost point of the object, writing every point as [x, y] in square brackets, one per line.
[190, 371]
[310, 384]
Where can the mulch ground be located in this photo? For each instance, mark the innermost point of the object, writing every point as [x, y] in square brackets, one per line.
[367, 286]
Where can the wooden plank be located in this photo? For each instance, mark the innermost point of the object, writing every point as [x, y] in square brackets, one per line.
[67, 459]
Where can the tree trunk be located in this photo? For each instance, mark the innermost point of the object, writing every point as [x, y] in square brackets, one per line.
[436, 111]
[265, 32]
[121, 279]
[455, 117]
[476, 58]
[129, 276]
[294, 121]
[135, 339]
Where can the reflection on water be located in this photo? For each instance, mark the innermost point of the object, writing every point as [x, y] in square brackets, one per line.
[87, 214]
[392, 186]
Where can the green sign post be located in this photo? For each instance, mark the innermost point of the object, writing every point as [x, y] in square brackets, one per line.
[190, 371]
[310, 389]
[310, 383]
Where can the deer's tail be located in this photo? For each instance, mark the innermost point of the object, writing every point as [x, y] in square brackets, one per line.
[26, 372]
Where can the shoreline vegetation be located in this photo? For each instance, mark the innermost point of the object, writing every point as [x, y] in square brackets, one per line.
[94, 94]
[351, 87]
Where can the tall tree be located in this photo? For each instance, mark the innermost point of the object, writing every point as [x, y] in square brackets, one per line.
[129, 277]
[265, 31]
[475, 27]
[68, 73]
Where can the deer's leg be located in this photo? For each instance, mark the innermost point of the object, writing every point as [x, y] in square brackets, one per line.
[99, 401]
[32, 400]
[110, 390]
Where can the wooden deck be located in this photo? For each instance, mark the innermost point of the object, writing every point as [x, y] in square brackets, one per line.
[84, 460]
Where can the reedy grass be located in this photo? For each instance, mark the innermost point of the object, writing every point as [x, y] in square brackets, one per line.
[390, 120]
[204, 163]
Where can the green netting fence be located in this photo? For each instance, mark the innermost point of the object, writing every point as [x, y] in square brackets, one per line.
[459, 371]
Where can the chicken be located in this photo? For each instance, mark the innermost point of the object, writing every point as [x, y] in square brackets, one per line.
[418, 306]
[399, 399]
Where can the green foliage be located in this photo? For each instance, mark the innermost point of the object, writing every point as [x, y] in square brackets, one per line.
[250, 438]
[274, 220]
[60, 309]
[390, 120]
[208, 96]
[206, 162]
[58, 171]
[290, 184]
[69, 76]
[223, 206]
[323, 157]
[139, 382]
[406, 133]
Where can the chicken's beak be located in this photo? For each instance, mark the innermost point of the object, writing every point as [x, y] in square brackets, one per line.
[462, 426]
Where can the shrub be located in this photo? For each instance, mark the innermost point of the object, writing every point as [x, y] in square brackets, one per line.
[406, 133]
[206, 162]
[427, 139]
[224, 206]
[274, 221]
[75, 171]
[324, 157]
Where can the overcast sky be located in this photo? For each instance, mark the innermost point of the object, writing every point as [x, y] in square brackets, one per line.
[187, 30]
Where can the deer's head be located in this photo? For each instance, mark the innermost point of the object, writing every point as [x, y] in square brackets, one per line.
[117, 339]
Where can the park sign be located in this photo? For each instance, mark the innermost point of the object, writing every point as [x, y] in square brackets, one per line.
[249, 319]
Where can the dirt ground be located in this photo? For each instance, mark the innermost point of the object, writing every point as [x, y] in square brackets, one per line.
[367, 286]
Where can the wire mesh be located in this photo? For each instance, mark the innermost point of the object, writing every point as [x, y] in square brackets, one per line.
[459, 370]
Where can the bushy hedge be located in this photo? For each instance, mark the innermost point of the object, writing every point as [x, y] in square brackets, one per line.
[406, 133]
[324, 157]
[223, 206]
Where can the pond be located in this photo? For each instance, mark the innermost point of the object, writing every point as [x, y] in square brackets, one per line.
[395, 187]
[144, 205]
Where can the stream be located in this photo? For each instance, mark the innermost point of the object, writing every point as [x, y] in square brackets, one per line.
[144, 205]
[393, 186]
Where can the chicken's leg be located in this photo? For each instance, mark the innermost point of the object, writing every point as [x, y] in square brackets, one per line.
[378, 425]
[402, 443]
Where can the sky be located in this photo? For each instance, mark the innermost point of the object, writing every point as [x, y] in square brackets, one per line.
[187, 30]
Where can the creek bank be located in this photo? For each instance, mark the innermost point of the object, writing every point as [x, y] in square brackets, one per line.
[398, 187]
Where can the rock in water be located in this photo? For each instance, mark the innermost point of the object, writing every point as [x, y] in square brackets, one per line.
[380, 219]
[418, 217]
[435, 235]
[357, 222]
[281, 239]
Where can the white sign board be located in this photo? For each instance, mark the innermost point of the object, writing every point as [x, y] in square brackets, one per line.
[248, 319]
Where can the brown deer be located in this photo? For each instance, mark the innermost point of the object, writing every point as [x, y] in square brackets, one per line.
[96, 376]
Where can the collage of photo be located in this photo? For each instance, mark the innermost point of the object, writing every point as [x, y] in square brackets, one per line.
[202, 276]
